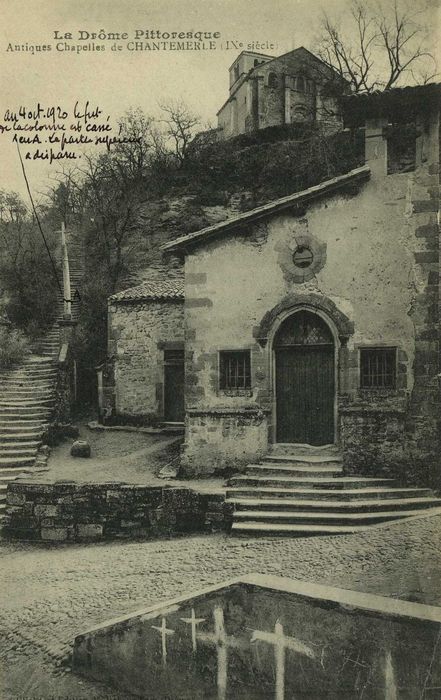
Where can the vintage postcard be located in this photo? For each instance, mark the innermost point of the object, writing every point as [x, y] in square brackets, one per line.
[220, 368]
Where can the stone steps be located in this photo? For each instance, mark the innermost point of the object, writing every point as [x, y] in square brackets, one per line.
[23, 425]
[312, 481]
[296, 518]
[293, 530]
[6, 462]
[27, 392]
[376, 493]
[24, 402]
[10, 438]
[296, 469]
[306, 493]
[303, 458]
[19, 448]
[288, 506]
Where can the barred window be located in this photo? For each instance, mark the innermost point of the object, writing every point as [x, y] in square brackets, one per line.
[235, 369]
[378, 368]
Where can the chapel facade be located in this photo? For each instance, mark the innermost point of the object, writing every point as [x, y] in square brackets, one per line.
[264, 91]
[313, 319]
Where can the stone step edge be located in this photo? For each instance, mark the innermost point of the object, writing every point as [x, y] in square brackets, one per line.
[329, 529]
[295, 457]
[295, 467]
[270, 515]
[323, 504]
[333, 480]
[253, 490]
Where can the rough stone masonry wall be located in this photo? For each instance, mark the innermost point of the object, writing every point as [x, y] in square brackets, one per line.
[224, 438]
[69, 512]
[138, 332]
[404, 440]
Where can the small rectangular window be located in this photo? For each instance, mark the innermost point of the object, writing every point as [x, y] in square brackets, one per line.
[378, 368]
[235, 369]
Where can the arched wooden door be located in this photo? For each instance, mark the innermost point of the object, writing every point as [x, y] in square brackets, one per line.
[305, 380]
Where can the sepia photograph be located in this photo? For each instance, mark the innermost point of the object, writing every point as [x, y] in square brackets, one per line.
[220, 359]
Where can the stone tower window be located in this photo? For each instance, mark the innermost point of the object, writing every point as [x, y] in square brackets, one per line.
[302, 256]
[301, 84]
[273, 80]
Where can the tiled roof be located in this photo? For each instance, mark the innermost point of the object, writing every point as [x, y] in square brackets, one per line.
[397, 100]
[274, 207]
[153, 289]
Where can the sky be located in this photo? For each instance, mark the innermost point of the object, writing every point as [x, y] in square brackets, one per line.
[118, 80]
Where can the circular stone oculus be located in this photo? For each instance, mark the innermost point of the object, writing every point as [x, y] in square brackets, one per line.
[303, 256]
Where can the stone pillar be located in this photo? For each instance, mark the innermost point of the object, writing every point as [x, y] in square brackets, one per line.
[287, 100]
[67, 329]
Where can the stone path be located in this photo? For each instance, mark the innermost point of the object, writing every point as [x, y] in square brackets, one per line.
[52, 594]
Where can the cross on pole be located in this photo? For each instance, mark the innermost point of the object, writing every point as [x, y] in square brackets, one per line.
[193, 621]
[281, 642]
[66, 275]
[222, 641]
[164, 633]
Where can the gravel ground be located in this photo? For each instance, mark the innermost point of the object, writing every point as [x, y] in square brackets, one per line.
[132, 457]
[52, 594]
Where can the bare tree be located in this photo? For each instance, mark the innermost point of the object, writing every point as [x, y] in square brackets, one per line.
[180, 124]
[377, 48]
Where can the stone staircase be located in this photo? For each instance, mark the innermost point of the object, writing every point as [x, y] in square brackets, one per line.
[302, 490]
[49, 344]
[27, 394]
[26, 403]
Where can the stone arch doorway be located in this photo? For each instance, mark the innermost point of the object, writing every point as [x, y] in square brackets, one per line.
[305, 381]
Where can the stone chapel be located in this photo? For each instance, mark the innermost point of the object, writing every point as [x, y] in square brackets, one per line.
[271, 91]
[313, 319]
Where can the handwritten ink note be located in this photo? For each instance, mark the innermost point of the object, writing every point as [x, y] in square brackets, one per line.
[55, 133]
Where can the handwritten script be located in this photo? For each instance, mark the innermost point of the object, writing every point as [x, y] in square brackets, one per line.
[54, 133]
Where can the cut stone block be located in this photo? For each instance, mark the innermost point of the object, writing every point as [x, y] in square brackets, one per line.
[80, 448]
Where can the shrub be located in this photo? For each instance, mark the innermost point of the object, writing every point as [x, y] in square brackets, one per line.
[14, 347]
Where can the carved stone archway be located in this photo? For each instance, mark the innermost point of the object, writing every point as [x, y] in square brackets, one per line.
[344, 326]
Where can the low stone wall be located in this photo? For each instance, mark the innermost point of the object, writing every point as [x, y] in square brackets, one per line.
[70, 512]
[221, 439]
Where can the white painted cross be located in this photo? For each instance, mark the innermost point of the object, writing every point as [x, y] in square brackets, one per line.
[222, 642]
[280, 642]
[164, 632]
[390, 685]
[193, 621]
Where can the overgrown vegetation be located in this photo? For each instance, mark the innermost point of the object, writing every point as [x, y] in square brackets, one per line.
[114, 200]
[27, 279]
[14, 347]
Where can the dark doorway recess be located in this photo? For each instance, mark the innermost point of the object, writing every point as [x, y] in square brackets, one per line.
[174, 386]
[305, 380]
